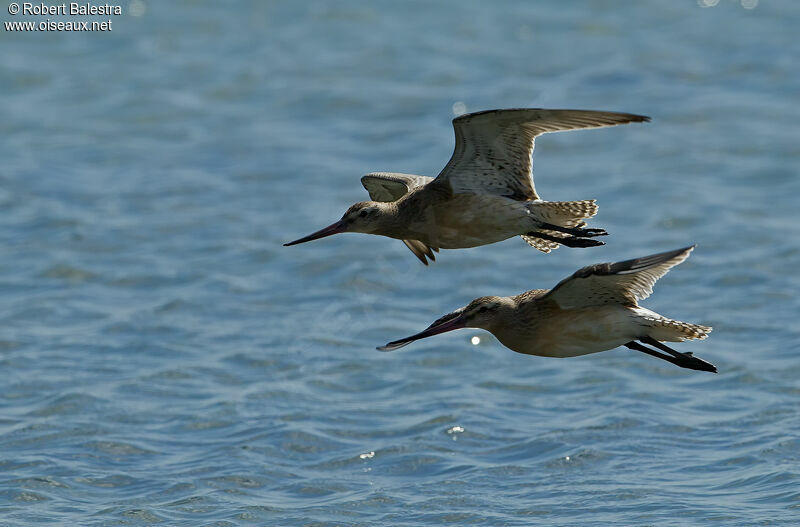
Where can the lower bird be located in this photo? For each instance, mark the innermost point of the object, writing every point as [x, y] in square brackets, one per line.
[485, 193]
[596, 309]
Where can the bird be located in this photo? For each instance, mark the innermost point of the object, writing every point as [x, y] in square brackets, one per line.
[593, 310]
[485, 193]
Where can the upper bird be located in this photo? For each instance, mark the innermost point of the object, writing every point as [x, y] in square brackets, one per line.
[484, 194]
[595, 309]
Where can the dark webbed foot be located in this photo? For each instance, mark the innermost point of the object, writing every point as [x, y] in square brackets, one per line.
[568, 241]
[684, 360]
[688, 360]
[580, 242]
[575, 231]
[588, 233]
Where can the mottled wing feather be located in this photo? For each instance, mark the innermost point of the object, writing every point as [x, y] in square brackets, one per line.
[616, 283]
[391, 186]
[494, 148]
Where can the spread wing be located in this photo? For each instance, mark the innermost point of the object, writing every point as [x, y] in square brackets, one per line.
[391, 186]
[616, 283]
[494, 148]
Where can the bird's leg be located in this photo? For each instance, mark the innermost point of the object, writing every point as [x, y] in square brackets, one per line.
[679, 359]
[571, 241]
[575, 231]
[688, 357]
[638, 347]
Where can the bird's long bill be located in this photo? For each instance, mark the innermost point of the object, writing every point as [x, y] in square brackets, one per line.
[446, 323]
[330, 230]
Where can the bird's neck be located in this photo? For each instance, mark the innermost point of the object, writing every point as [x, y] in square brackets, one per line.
[514, 323]
[388, 222]
[503, 316]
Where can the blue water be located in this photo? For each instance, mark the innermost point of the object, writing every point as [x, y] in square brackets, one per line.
[165, 361]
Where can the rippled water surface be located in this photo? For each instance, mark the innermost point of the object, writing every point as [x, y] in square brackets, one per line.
[165, 361]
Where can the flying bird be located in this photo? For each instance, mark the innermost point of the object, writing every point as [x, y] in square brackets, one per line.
[485, 193]
[596, 309]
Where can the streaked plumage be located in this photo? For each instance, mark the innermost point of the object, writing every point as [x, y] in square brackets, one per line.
[595, 309]
[485, 193]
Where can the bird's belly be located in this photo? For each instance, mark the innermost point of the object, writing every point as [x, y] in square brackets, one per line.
[461, 239]
[472, 222]
[575, 332]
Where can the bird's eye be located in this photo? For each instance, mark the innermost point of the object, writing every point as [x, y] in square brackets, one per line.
[483, 309]
[363, 213]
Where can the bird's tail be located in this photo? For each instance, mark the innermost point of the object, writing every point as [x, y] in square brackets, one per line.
[666, 329]
[563, 213]
[543, 245]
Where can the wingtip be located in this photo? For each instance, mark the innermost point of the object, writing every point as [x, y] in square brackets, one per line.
[634, 117]
[636, 265]
[667, 255]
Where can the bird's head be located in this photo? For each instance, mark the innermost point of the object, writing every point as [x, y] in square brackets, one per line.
[480, 313]
[364, 216]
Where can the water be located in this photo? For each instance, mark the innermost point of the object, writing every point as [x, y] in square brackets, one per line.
[166, 361]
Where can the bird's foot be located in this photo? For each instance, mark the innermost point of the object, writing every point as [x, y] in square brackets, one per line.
[684, 360]
[588, 233]
[568, 241]
[580, 242]
[574, 231]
